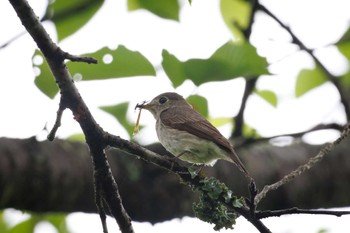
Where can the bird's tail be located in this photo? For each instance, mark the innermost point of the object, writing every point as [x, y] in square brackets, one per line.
[235, 159]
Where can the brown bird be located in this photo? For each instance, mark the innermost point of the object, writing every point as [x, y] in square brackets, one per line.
[187, 134]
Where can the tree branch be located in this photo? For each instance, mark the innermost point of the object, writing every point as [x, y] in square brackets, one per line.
[278, 213]
[75, 58]
[239, 118]
[297, 41]
[194, 182]
[61, 108]
[301, 169]
[72, 99]
[249, 141]
[250, 81]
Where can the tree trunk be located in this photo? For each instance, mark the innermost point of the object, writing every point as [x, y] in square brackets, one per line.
[57, 176]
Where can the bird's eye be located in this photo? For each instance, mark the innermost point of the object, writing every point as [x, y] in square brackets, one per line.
[162, 100]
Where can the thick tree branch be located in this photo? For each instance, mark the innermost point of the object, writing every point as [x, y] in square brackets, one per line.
[307, 166]
[59, 177]
[71, 99]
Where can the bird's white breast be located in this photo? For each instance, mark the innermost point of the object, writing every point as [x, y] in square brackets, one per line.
[189, 147]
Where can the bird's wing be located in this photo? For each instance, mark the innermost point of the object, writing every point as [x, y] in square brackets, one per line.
[186, 119]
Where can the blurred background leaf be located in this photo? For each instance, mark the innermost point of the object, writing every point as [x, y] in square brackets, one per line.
[268, 96]
[199, 103]
[70, 16]
[117, 63]
[236, 15]
[119, 112]
[230, 61]
[167, 9]
[44, 80]
[308, 79]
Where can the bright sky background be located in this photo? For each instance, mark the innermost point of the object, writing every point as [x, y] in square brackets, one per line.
[25, 110]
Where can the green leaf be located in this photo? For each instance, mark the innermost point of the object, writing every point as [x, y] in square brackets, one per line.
[220, 121]
[117, 63]
[3, 223]
[344, 44]
[167, 9]
[79, 137]
[173, 68]
[345, 80]
[70, 16]
[308, 80]
[44, 81]
[199, 103]
[269, 96]
[230, 61]
[344, 48]
[236, 15]
[58, 221]
[345, 38]
[26, 226]
[119, 112]
[250, 132]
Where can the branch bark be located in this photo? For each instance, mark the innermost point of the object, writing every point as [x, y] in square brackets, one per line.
[59, 177]
[70, 98]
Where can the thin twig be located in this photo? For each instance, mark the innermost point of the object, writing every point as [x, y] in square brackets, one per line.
[278, 213]
[297, 41]
[4, 45]
[52, 134]
[250, 81]
[75, 58]
[334, 126]
[99, 205]
[239, 118]
[301, 169]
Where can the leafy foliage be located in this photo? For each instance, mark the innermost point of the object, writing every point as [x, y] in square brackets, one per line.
[119, 111]
[117, 63]
[343, 44]
[70, 16]
[57, 220]
[308, 80]
[345, 80]
[269, 96]
[199, 103]
[230, 61]
[167, 9]
[44, 80]
[236, 14]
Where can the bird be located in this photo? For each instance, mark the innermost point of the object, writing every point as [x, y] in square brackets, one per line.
[187, 134]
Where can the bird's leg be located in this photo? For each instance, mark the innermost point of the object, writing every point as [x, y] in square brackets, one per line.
[181, 154]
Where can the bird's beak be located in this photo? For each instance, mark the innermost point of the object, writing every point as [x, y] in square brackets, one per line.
[144, 105]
